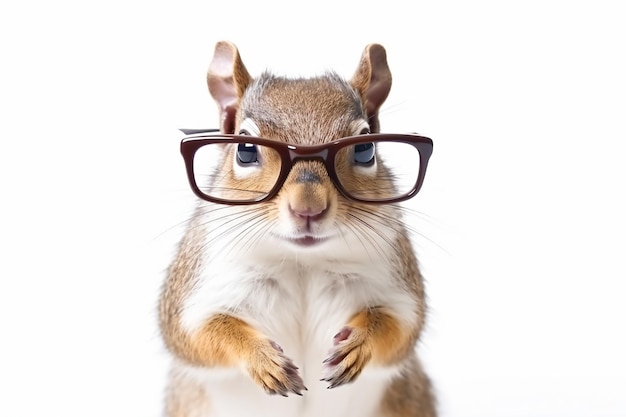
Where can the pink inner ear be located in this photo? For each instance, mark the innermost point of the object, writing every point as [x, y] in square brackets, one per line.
[373, 80]
[227, 79]
[225, 95]
[223, 92]
[221, 85]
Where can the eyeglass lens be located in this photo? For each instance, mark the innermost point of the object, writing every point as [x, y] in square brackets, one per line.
[236, 171]
[378, 171]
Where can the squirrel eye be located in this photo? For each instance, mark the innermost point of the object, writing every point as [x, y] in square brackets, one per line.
[364, 153]
[247, 154]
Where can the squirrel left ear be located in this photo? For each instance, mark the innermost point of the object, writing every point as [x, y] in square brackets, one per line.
[227, 78]
[372, 80]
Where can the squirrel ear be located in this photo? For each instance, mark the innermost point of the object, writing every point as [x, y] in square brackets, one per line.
[227, 78]
[372, 80]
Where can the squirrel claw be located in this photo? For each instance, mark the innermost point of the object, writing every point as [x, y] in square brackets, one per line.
[346, 359]
[275, 372]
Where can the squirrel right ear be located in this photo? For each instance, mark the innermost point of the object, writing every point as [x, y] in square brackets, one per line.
[227, 78]
[372, 80]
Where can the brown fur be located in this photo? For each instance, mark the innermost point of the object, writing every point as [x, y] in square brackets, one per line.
[410, 394]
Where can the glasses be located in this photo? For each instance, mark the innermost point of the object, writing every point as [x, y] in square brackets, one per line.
[242, 169]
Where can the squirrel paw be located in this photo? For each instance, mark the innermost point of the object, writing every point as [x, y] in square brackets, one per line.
[274, 371]
[346, 359]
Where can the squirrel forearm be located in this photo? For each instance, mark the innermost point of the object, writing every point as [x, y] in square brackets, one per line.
[222, 340]
[389, 339]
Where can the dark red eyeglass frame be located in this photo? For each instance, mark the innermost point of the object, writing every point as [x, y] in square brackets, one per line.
[290, 153]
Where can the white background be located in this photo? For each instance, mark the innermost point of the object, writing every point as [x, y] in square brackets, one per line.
[524, 199]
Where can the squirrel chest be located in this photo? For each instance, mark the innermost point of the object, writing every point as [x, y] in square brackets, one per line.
[298, 304]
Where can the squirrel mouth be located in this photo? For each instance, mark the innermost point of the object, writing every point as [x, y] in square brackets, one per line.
[307, 241]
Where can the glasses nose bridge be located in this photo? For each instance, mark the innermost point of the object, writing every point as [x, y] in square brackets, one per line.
[304, 154]
[296, 154]
[308, 154]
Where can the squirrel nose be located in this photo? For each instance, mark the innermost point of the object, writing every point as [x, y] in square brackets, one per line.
[308, 192]
[308, 213]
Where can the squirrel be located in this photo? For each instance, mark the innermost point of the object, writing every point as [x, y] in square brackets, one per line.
[308, 295]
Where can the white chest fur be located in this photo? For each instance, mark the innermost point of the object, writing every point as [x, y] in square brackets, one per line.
[300, 307]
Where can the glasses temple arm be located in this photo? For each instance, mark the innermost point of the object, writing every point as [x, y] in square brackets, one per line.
[196, 131]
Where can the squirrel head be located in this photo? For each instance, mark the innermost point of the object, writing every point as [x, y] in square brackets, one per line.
[303, 111]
